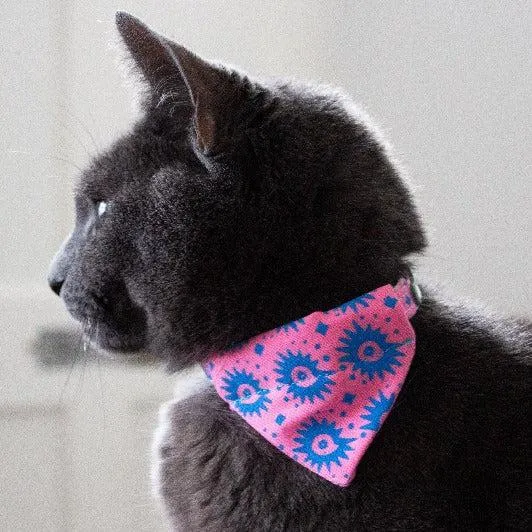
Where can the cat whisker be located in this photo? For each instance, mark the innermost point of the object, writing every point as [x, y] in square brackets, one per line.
[84, 126]
[46, 156]
[73, 362]
[100, 382]
[75, 136]
[81, 373]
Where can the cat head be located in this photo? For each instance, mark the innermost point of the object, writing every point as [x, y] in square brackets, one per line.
[232, 206]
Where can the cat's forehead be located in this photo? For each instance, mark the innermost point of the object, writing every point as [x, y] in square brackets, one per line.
[133, 158]
[109, 171]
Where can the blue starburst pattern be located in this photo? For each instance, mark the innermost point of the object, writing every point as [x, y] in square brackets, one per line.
[376, 409]
[369, 351]
[322, 444]
[305, 380]
[293, 325]
[360, 301]
[245, 393]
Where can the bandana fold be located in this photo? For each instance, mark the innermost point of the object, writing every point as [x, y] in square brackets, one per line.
[320, 387]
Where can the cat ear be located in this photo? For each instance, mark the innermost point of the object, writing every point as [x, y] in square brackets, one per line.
[151, 55]
[172, 69]
[214, 92]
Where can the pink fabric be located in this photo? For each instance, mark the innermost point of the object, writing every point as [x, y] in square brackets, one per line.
[320, 387]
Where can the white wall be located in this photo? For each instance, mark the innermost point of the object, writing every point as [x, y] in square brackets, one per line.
[447, 81]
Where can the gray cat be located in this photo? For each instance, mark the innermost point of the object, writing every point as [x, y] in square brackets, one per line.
[234, 207]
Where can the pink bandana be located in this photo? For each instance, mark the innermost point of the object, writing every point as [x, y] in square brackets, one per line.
[320, 387]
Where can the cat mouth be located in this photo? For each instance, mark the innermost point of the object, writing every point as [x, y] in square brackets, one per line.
[114, 325]
[107, 338]
[99, 342]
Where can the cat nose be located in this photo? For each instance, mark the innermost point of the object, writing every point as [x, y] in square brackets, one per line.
[56, 284]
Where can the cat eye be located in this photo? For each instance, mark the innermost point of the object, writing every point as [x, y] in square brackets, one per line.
[101, 207]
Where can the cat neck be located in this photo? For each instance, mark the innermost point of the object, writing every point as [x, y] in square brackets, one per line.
[313, 292]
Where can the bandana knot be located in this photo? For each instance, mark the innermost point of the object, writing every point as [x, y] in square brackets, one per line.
[320, 387]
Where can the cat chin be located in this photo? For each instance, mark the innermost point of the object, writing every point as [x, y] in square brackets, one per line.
[121, 353]
[105, 339]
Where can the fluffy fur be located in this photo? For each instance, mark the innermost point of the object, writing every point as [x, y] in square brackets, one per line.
[235, 206]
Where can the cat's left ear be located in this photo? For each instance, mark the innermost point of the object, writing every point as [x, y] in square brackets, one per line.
[173, 71]
[217, 94]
